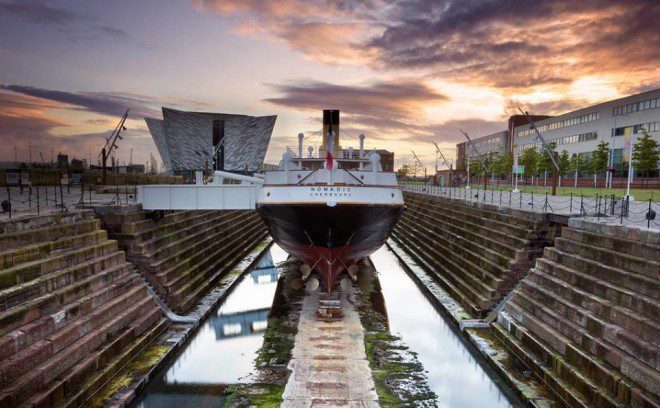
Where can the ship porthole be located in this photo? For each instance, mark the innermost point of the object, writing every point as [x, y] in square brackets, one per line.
[298, 175]
[392, 195]
[268, 195]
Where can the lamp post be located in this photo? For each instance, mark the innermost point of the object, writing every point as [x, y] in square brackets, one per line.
[630, 168]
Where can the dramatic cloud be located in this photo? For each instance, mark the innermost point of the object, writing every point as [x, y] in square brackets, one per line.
[510, 44]
[29, 117]
[112, 104]
[384, 106]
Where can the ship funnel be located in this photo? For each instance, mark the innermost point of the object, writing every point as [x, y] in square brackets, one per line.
[330, 129]
[301, 137]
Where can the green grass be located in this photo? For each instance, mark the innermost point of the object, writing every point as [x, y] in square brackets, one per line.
[639, 195]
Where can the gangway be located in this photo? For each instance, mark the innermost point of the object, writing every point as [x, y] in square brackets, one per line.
[199, 196]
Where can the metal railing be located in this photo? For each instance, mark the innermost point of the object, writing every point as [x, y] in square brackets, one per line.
[607, 208]
[47, 199]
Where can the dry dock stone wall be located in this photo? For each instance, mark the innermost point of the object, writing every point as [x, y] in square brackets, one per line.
[184, 253]
[476, 252]
[72, 310]
[586, 317]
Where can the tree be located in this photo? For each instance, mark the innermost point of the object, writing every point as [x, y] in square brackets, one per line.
[646, 154]
[545, 163]
[407, 170]
[529, 159]
[501, 163]
[600, 157]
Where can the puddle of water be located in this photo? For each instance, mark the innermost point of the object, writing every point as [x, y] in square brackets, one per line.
[222, 351]
[453, 373]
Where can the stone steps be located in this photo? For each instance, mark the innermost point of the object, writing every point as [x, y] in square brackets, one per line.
[160, 242]
[47, 234]
[589, 312]
[604, 309]
[475, 238]
[575, 389]
[168, 270]
[483, 269]
[143, 333]
[461, 249]
[16, 256]
[616, 276]
[194, 289]
[27, 358]
[624, 246]
[71, 309]
[35, 330]
[474, 223]
[485, 210]
[472, 299]
[596, 374]
[117, 330]
[585, 328]
[26, 272]
[195, 234]
[182, 253]
[592, 284]
[455, 292]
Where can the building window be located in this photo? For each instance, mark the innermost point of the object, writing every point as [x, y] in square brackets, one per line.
[636, 106]
[590, 117]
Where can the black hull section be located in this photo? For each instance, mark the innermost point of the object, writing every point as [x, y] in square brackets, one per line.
[330, 239]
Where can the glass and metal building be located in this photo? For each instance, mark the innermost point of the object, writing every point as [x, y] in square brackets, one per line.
[187, 141]
[618, 122]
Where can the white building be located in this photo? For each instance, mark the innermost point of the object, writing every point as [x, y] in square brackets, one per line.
[617, 122]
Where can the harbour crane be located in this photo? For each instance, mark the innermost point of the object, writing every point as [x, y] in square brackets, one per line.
[420, 164]
[111, 141]
[552, 154]
[449, 165]
[481, 158]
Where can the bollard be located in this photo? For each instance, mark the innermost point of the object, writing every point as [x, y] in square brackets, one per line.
[570, 210]
[650, 215]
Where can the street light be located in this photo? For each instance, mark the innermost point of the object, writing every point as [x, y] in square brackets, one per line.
[630, 168]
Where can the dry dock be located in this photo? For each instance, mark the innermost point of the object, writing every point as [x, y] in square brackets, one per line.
[469, 304]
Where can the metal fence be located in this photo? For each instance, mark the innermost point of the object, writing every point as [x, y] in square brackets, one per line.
[30, 200]
[601, 208]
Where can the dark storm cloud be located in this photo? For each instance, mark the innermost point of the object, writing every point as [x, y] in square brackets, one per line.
[112, 104]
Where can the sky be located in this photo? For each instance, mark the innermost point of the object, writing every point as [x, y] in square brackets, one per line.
[404, 72]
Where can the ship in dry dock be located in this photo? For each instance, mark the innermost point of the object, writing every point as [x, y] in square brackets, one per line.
[330, 209]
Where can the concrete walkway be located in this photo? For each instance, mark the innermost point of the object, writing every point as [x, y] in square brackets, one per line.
[329, 364]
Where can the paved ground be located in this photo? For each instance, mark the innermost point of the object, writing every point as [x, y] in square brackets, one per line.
[605, 209]
[45, 200]
[329, 364]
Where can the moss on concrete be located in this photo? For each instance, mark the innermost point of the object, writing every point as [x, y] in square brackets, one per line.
[398, 375]
[271, 373]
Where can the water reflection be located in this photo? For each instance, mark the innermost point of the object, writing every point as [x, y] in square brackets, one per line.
[222, 351]
[453, 374]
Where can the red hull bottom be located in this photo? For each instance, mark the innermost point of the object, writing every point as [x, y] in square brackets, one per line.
[329, 263]
[330, 239]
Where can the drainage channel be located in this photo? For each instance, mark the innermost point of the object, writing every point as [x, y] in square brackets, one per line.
[455, 372]
[222, 351]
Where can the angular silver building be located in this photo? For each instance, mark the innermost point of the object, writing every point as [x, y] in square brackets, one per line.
[185, 140]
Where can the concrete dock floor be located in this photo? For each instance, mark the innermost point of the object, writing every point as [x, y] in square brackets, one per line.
[329, 365]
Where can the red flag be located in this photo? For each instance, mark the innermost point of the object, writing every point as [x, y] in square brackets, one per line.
[328, 160]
